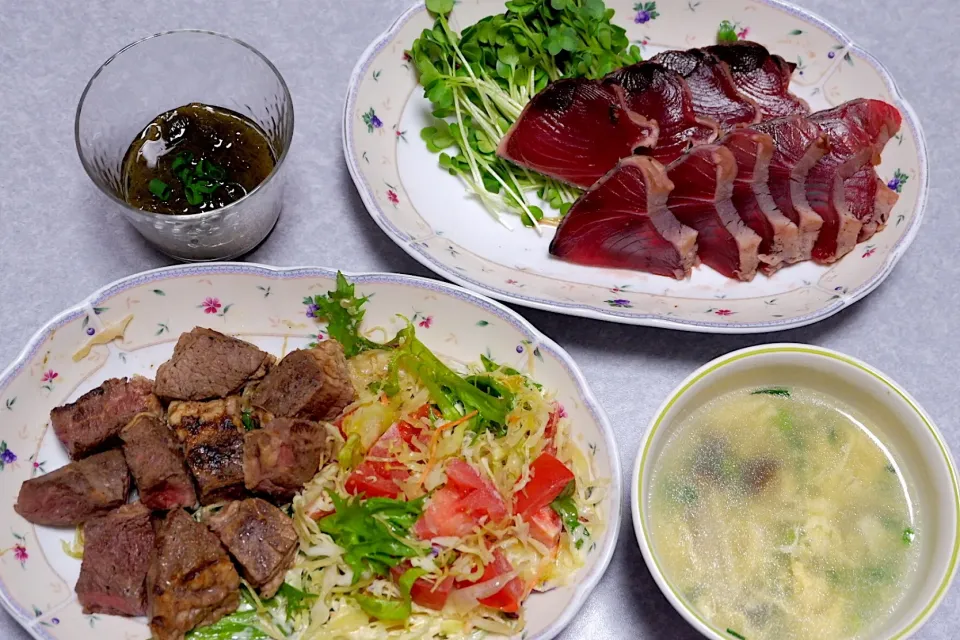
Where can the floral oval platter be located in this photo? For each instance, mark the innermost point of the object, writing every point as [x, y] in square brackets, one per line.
[429, 214]
[129, 327]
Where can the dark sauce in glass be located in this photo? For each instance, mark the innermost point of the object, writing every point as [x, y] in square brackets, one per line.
[195, 158]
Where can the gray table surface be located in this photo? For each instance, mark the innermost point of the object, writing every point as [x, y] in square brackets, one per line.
[56, 246]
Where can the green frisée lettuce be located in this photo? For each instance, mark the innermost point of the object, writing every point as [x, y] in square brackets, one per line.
[479, 81]
[387, 609]
[257, 619]
[453, 394]
[371, 532]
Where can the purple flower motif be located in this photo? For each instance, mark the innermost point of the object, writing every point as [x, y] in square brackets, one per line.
[54, 621]
[646, 11]
[312, 310]
[8, 457]
[832, 55]
[91, 331]
[371, 120]
[519, 348]
[621, 303]
[898, 180]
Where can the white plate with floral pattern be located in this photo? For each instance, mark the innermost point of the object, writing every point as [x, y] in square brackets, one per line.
[148, 311]
[428, 213]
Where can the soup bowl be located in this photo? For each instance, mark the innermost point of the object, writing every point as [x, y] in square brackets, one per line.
[894, 417]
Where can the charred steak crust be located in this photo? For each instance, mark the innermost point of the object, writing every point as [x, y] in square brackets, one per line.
[191, 581]
[212, 439]
[116, 557]
[260, 538]
[284, 455]
[208, 364]
[73, 494]
[308, 383]
[157, 464]
[94, 421]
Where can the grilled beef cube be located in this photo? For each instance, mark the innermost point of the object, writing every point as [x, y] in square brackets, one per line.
[75, 493]
[212, 439]
[191, 581]
[156, 462]
[207, 364]
[261, 539]
[93, 422]
[116, 556]
[308, 383]
[284, 455]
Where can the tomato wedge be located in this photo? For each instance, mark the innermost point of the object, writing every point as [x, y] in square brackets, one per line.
[377, 476]
[427, 593]
[508, 599]
[466, 501]
[545, 526]
[548, 479]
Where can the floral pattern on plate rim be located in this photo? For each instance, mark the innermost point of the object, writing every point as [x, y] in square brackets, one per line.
[436, 305]
[809, 302]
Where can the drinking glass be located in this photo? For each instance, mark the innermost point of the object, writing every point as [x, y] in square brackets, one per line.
[166, 71]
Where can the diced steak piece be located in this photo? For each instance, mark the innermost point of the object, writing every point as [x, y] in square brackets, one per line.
[700, 199]
[659, 94]
[857, 131]
[94, 421]
[207, 364]
[260, 538]
[714, 93]
[779, 237]
[762, 77]
[870, 201]
[308, 383]
[211, 434]
[623, 222]
[284, 455]
[75, 493]
[156, 462]
[191, 582]
[798, 145]
[575, 130]
[116, 557]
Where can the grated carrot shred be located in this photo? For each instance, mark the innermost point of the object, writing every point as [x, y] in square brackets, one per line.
[435, 440]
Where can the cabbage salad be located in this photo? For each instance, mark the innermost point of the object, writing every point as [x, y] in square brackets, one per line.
[455, 495]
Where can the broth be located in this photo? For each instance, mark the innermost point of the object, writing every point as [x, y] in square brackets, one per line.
[776, 513]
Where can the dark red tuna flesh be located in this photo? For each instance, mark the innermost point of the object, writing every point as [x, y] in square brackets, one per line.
[762, 77]
[798, 144]
[73, 494]
[703, 184]
[657, 93]
[712, 87]
[94, 421]
[622, 222]
[156, 462]
[870, 201]
[857, 131]
[116, 557]
[779, 237]
[575, 130]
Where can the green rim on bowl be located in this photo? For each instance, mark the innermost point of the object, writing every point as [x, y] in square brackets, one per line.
[750, 352]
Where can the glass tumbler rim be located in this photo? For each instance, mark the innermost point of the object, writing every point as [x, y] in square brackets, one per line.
[190, 216]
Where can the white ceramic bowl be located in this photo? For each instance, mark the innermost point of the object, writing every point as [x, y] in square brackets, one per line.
[897, 420]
